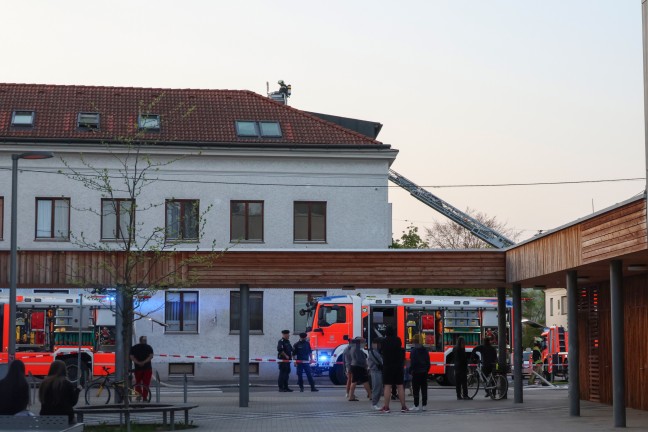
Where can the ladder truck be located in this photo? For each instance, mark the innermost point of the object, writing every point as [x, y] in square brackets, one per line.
[477, 228]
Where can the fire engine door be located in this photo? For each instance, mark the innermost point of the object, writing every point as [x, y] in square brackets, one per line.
[381, 317]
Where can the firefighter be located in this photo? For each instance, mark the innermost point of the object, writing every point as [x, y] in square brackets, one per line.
[536, 359]
[284, 352]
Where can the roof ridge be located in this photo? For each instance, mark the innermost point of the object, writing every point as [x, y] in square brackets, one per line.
[123, 87]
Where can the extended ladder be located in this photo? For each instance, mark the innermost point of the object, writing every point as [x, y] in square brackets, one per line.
[477, 228]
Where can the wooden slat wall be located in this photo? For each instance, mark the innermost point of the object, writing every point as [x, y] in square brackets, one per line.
[635, 291]
[615, 233]
[555, 252]
[323, 269]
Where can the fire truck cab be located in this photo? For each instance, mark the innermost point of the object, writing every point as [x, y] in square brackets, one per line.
[59, 327]
[438, 320]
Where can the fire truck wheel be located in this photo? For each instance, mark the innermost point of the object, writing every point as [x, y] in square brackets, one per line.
[71, 365]
[336, 373]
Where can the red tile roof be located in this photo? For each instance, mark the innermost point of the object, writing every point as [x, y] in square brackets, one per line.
[188, 115]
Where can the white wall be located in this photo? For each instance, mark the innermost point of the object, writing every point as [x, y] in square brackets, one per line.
[559, 298]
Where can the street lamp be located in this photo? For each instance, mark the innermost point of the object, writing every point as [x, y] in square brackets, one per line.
[13, 262]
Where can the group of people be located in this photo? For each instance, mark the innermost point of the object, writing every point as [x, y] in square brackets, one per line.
[57, 395]
[301, 353]
[488, 358]
[382, 370]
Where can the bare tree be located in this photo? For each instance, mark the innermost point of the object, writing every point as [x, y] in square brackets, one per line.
[139, 259]
[450, 235]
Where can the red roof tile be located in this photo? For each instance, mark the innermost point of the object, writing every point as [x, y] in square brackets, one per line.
[188, 115]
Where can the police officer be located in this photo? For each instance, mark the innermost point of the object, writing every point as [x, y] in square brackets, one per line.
[284, 352]
[302, 354]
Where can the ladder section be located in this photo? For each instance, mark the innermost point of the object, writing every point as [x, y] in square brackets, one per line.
[477, 228]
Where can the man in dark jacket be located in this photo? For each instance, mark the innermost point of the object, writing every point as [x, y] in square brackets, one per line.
[284, 352]
[488, 355]
[419, 369]
[302, 354]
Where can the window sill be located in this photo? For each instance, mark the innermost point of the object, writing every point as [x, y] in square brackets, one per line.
[168, 242]
[177, 332]
[43, 239]
[247, 242]
[310, 242]
[252, 332]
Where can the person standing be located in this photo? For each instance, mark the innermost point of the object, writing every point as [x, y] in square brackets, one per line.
[419, 369]
[303, 352]
[536, 361]
[141, 355]
[393, 364]
[461, 369]
[358, 368]
[14, 390]
[285, 353]
[488, 355]
[375, 362]
[57, 395]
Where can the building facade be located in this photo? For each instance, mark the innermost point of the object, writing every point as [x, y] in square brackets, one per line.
[221, 170]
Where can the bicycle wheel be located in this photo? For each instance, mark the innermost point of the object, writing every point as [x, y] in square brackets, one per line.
[473, 384]
[97, 394]
[500, 387]
[139, 393]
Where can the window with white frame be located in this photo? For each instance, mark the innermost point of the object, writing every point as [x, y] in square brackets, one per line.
[181, 311]
[182, 219]
[53, 218]
[563, 305]
[255, 309]
[310, 221]
[116, 218]
[88, 120]
[551, 303]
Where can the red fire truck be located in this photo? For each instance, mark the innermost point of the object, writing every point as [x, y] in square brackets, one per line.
[555, 341]
[48, 328]
[333, 321]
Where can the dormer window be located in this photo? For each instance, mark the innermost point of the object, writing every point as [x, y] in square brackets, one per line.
[149, 122]
[266, 129]
[22, 118]
[88, 120]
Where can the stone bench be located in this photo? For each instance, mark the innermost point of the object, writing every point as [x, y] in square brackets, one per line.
[52, 423]
[165, 409]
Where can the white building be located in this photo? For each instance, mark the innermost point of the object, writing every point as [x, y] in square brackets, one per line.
[267, 176]
[556, 307]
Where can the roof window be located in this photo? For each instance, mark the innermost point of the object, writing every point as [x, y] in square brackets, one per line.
[268, 129]
[88, 120]
[149, 122]
[22, 118]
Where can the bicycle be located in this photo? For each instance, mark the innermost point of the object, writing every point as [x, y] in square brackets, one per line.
[495, 384]
[98, 392]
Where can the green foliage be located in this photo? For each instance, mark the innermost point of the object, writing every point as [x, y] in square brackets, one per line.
[409, 240]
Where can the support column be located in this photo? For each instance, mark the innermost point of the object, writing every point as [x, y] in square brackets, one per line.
[517, 343]
[618, 358]
[573, 354]
[244, 347]
[502, 334]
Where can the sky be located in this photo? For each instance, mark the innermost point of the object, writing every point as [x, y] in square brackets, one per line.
[472, 93]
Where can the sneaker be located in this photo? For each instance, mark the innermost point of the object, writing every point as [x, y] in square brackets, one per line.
[414, 408]
[384, 410]
[376, 407]
[288, 390]
[314, 389]
[346, 395]
[405, 409]
[423, 408]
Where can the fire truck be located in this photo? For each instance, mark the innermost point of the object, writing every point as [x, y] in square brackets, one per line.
[55, 326]
[555, 341]
[440, 320]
